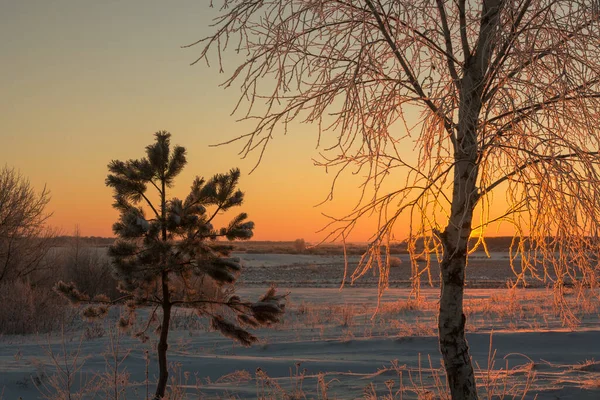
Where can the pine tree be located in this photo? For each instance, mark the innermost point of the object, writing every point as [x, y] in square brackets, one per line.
[168, 254]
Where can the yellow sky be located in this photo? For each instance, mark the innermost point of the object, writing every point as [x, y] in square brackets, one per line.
[84, 82]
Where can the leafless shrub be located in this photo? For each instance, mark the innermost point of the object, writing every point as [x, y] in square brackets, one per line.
[87, 267]
[395, 262]
[300, 245]
[66, 382]
[26, 309]
[113, 383]
[25, 238]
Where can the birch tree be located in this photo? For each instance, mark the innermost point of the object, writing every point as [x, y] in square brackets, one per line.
[499, 99]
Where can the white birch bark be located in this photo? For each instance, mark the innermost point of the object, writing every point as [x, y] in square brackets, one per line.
[451, 323]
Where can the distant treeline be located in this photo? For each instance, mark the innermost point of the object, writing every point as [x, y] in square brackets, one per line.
[295, 247]
[501, 243]
[84, 241]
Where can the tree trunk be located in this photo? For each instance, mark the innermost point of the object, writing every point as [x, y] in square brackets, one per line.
[455, 239]
[451, 325]
[163, 367]
[163, 345]
[465, 194]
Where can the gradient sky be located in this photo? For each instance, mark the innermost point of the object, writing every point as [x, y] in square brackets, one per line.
[84, 82]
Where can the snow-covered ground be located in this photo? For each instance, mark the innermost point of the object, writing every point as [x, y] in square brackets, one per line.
[301, 270]
[330, 341]
[274, 260]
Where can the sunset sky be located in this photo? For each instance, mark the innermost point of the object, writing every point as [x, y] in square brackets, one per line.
[84, 82]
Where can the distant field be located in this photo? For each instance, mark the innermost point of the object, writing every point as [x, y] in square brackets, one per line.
[300, 270]
[315, 270]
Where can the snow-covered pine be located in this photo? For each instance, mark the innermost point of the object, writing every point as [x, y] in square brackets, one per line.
[168, 253]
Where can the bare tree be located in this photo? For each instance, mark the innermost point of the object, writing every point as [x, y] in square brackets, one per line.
[25, 238]
[300, 245]
[87, 267]
[495, 96]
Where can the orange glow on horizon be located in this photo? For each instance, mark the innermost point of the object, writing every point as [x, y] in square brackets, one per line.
[87, 95]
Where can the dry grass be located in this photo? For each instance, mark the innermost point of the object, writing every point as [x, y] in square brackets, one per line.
[423, 383]
[27, 309]
[66, 383]
[346, 322]
[516, 310]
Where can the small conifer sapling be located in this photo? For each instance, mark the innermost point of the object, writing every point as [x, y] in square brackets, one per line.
[168, 254]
